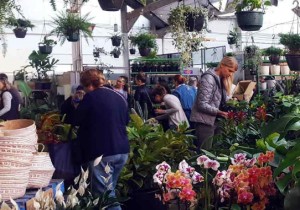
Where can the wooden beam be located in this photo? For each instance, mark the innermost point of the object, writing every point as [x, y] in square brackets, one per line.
[149, 8]
[162, 32]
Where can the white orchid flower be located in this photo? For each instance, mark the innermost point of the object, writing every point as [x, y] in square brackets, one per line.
[4, 206]
[107, 169]
[16, 207]
[97, 160]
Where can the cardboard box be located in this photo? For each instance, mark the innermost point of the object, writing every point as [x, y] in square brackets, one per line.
[244, 90]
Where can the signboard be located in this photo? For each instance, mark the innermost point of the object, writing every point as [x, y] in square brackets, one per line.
[191, 71]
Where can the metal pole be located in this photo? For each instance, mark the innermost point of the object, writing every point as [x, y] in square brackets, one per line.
[124, 30]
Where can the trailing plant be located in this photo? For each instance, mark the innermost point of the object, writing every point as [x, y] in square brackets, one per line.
[183, 40]
[273, 51]
[291, 42]
[250, 5]
[66, 23]
[252, 57]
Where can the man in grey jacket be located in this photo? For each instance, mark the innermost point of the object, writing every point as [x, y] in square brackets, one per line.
[214, 85]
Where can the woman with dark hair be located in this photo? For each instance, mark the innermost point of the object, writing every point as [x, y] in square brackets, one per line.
[10, 101]
[185, 94]
[102, 117]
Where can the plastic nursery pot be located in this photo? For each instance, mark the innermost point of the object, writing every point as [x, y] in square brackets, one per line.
[96, 54]
[45, 49]
[111, 5]
[194, 23]
[116, 55]
[132, 51]
[249, 20]
[293, 62]
[144, 51]
[231, 40]
[116, 41]
[20, 32]
[274, 59]
[73, 36]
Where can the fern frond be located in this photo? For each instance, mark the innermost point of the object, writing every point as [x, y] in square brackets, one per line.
[53, 4]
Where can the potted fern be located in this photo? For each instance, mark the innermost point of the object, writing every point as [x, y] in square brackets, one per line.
[146, 43]
[116, 52]
[249, 13]
[69, 25]
[20, 26]
[46, 46]
[292, 43]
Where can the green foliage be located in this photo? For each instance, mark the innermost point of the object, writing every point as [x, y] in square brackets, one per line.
[42, 63]
[149, 145]
[116, 51]
[48, 42]
[273, 51]
[18, 23]
[53, 4]
[144, 40]
[66, 23]
[291, 41]
[252, 57]
[251, 5]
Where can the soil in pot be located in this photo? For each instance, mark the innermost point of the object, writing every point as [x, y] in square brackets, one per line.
[132, 51]
[250, 20]
[194, 23]
[45, 49]
[274, 59]
[73, 36]
[144, 51]
[116, 41]
[20, 32]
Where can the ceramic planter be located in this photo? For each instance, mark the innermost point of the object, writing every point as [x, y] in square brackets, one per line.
[45, 49]
[293, 62]
[20, 32]
[275, 70]
[264, 70]
[284, 70]
[111, 5]
[194, 23]
[144, 51]
[249, 20]
[274, 59]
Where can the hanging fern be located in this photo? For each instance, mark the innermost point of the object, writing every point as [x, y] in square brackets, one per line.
[53, 4]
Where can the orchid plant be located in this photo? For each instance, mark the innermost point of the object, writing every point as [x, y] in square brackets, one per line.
[5, 206]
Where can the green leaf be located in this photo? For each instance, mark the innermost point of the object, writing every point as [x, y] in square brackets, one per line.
[209, 154]
[284, 182]
[235, 207]
[139, 182]
[296, 169]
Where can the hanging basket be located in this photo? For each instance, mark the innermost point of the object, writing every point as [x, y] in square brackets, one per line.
[111, 5]
[116, 55]
[144, 51]
[20, 32]
[274, 59]
[231, 40]
[73, 36]
[116, 41]
[249, 20]
[45, 49]
[194, 22]
[293, 62]
[132, 51]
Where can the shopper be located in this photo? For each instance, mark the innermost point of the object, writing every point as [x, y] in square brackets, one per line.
[102, 118]
[173, 111]
[70, 104]
[9, 100]
[185, 94]
[142, 94]
[13, 89]
[122, 86]
[210, 99]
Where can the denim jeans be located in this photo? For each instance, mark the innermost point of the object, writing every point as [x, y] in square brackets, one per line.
[116, 163]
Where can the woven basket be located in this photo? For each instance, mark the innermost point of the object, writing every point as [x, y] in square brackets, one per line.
[41, 170]
[17, 127]
[14, 173]
[13, 191]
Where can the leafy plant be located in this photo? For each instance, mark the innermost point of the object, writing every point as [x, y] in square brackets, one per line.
[67, 23]
[116, 51]
[273, 51]
[21, 74]
[291, 41]
[144, 40]
[48, 42]
[183, 40]
[42, 64]
[250, 5]
[19, 23]
[252, 57]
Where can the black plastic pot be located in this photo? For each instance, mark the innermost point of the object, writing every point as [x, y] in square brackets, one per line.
[132, 51]
[144, 51]
[194, 23]
[116, 55]
[274, 59]
[111, 5]
[116, 41]
[20, 32]
[250, 20]
[45, 49]
[73, 36]
[231, 40]
[96, 54]
[42, 85]
[293, 62]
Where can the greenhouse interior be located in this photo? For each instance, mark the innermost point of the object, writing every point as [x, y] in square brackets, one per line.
[149, 105]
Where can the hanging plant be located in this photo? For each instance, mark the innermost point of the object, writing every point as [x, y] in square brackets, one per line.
[20, 26]
[45, 47]
[232, 37]
[184, 40]
[116, 52]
